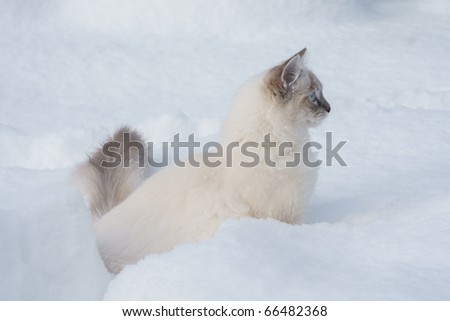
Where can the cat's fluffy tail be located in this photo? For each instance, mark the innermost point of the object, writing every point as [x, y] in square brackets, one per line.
[105, 187]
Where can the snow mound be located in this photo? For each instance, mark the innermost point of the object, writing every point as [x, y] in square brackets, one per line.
[47, 244]
[381, 258]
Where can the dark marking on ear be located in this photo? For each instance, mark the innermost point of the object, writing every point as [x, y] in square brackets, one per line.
[291, 72]
[282, 77]
[302, 52]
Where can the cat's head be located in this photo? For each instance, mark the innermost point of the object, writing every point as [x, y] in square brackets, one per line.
[297, 91]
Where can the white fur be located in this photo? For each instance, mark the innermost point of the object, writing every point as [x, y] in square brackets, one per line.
[180, 205]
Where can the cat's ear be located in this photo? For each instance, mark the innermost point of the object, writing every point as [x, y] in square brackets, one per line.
[281, 78]
[292, 70]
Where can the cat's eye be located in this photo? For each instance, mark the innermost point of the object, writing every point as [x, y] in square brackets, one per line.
[312, 97]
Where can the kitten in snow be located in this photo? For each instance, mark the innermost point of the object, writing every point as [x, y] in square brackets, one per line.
[187, 204]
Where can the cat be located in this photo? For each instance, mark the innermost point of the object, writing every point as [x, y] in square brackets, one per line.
[187, 204]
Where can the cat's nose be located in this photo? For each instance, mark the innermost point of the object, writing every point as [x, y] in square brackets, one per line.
[325, 105]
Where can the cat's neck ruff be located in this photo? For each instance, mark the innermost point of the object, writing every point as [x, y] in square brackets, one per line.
[254, 114]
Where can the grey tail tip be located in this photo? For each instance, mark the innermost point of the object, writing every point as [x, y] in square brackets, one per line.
[106, 187]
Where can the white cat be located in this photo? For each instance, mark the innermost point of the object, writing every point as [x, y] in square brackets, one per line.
[187, 204]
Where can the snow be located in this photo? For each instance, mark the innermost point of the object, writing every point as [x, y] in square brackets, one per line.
[47, 244]
[73, 70]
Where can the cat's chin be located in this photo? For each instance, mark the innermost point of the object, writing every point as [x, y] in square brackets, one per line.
[316, 121]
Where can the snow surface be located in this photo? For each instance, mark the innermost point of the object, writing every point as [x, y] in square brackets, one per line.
[73, 70]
